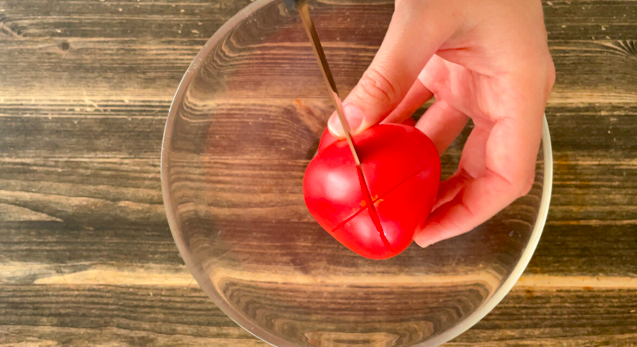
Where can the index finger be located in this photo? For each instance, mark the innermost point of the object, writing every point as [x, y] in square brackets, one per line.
[417, 30]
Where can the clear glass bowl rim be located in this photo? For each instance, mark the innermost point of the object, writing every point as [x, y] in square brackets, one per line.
[274, 340]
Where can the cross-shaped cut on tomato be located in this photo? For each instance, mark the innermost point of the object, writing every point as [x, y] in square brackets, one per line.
[374, 212]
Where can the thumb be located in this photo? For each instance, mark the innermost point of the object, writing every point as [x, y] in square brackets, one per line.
[417, 30]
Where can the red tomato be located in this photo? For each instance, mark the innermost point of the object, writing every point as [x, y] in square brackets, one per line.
[410, 121]
[401, 170]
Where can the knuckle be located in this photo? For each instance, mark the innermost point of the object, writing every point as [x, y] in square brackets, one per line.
[514, 187]
[551, 75]
[375, 87]
[525, 185]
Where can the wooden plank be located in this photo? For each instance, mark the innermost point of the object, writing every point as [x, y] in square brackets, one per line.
[62, 336]
[130, 18]
[184, 316]
[115, 315]
[558, 318]
[589, 19]
[96, 68]
[571, 20]
[76, 51]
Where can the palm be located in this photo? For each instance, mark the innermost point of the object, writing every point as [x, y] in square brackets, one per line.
[467, 91]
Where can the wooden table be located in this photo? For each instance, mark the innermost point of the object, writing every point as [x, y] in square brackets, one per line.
[86, 255]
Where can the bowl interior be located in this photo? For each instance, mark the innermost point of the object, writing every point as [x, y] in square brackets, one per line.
[244, 125]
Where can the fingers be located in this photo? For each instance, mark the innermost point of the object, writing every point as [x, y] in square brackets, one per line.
[472, 163]
[415, 97]
[479, 200]
[442, 123]
[418, 28]
[450, 188]
[508, 173]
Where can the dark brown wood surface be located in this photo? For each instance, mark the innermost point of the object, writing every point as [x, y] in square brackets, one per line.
[86, 255]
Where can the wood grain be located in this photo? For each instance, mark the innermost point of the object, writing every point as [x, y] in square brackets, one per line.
[154, 316]
[85, 251]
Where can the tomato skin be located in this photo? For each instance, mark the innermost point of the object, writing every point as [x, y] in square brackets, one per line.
[402, 170]
[410, 121]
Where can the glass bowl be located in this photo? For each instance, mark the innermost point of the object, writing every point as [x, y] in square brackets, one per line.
[244, 124]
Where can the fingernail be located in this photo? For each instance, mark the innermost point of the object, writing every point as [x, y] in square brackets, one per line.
[423, 243]
[354, 118]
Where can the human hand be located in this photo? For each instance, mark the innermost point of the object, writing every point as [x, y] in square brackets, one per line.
[487, 60]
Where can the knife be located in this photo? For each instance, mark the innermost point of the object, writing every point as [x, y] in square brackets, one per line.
[304, 11]
[310, 29]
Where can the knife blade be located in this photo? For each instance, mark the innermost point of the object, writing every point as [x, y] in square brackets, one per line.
[310, 29]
